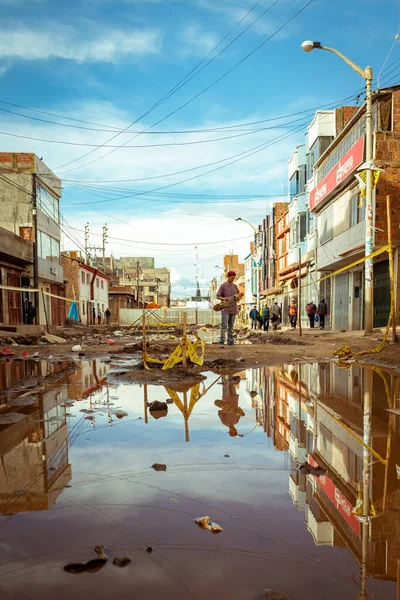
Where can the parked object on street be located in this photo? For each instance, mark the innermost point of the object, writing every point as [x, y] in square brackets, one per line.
[206, 523]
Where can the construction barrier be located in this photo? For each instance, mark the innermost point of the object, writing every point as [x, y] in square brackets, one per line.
[178, 354]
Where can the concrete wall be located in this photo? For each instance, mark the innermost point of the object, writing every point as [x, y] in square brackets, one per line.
[323, 124]
[127, 316]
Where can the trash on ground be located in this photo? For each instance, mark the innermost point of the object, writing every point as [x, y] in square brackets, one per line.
[159, 467]
[226, 455]
[149, 549]
[52, 339]
[118, 333]
[206, 523]
[157, 405]
[121, 561]
[22, 401]
[173, 500]
[76, 348]
[92, 566]
[120, 414]
[110, 342]
[275, 595]
[7, 352]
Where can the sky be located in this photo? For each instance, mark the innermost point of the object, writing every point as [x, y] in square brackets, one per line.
[167, 119]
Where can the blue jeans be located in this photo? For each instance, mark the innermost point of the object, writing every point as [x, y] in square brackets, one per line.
[227, 324]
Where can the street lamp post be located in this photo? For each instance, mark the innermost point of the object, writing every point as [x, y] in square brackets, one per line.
[366, 74]
[258, 257]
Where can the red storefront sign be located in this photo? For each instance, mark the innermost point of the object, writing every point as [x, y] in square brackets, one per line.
[340, 501]
[349, 163]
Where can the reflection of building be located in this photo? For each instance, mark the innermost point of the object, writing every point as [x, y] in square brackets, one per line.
[90, 377]
[34, 453]
[328, 398]
[273, 387]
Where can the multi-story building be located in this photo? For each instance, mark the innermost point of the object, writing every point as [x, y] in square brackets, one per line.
[29, 199]
[271, 247]
[340, 209]
[88, 285]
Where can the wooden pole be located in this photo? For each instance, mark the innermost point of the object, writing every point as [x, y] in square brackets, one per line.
[45, 312]
[146, 414]
[185, 407]
[143, 334]
[391, 269]
[299, 296]
[184, 338]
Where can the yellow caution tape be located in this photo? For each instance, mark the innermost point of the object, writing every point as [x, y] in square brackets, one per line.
[177, 355]
[362, 180]
[19, 289]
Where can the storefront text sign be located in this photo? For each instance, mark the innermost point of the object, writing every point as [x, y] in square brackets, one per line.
[349, 163]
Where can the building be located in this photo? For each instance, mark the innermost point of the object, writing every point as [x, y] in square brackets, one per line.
[120, 297]
[270, 287]
[88, 285]
[335, 199]
[16, 268]
[29, 207]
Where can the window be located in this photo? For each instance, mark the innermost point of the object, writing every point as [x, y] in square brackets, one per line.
[48, 247]
[47, 203]
[102, 284]
[87, 278]
[83, 308]
[97, 283]
[83, 277]
[357, 209]
[302, 229]
[294, 185]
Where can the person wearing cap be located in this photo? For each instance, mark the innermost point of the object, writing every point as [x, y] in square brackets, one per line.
[228, 289]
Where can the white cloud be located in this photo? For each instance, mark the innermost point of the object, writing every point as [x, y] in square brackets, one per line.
[58, 41]
[196, 41]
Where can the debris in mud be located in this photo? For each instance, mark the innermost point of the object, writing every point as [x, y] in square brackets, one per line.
[76, 348]
[121, 561]
[157, 405]
[92, 566]
[226, 456]
[222, 363]
[206, 523]
[275, 595]
[7, 352]
[149, 549]
[52, 339]
[120, 414]
[159, 467]
[308, 469]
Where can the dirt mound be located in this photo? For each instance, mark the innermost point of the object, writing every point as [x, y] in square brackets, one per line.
[274, 339]
[221, 364]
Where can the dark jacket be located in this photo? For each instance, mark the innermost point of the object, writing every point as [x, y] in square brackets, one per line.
[254, 314]
[265, 313]
[322, 308]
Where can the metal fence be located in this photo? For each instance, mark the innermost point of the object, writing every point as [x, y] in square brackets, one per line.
[199, 316]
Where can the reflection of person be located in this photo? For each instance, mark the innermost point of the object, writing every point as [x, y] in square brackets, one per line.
[230, 412]
[99, 316]
[228, 289]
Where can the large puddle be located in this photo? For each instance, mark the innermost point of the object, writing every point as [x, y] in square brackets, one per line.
[76, 471]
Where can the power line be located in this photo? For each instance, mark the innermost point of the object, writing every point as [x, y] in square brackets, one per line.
[197, 95]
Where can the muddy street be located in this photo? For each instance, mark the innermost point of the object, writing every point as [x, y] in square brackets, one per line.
[273, 456]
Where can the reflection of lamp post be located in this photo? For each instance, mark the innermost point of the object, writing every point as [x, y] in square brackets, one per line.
[258, 257]
[366, 74]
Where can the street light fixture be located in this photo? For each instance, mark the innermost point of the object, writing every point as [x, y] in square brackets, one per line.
[258, 257]
[366, 74]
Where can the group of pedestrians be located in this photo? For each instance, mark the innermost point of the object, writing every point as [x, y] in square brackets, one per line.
[262, 319]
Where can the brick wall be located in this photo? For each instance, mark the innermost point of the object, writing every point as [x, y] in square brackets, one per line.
[343, 115]
[71, 274]
[279, 210]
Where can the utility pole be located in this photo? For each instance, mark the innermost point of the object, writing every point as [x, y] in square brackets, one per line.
[35, 250]
[299, 295]
[105, 231]
[87, 243]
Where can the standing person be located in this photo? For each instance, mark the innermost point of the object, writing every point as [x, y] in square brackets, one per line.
[94, 316]
[276, 315]
[99, 316]
[230, 290]
[265, 317]
[31, 313]
[254, 314]
[311, 310]
[322, 312]
[107, 315]
[293, 313]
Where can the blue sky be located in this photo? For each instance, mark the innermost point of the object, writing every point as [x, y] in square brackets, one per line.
[108, 62]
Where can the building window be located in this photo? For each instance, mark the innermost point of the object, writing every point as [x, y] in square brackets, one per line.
[97, 283]
[48, 247]
[47, 203]
[87, 278]
[83, 308]
[102, 285]
[302, 229]
[83, 277]
[357, 209]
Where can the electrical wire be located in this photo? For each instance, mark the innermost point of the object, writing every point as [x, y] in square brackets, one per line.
[194, 97]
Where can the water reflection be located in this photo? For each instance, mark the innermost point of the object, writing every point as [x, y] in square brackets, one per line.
[267, 422]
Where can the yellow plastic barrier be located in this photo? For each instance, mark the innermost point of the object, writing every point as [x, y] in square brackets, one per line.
[177, 355]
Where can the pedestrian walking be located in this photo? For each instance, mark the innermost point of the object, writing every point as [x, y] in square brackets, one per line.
[276, 317]
[265, 318]
[254, 316]
[99, 316]
[94, 316]
[107, 315]
[322, 313]
[228, 290]
[293, 313]
[311, 310]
